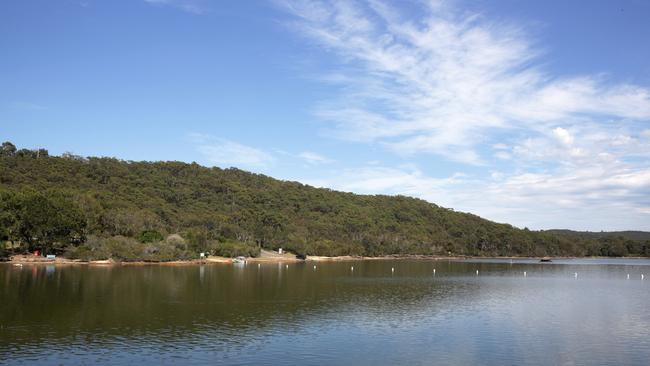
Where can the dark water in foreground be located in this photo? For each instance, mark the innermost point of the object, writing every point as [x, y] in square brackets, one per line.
[225, 314]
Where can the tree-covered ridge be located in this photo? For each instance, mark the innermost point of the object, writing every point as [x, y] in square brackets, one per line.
[633, 235]
[210, 207]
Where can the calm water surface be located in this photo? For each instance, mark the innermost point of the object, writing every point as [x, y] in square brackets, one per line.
[331, 315]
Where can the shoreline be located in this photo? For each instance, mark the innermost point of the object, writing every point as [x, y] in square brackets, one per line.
[29, 260]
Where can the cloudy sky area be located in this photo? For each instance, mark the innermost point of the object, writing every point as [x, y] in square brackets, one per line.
[532, 114]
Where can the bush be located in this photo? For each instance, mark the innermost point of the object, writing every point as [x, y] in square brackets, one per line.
[197, 239]
[125, 249]
[95, 248]
[168, 250]
[231, 249]
[4, 253]
[119, 248]
[82, 252]
[150, 236]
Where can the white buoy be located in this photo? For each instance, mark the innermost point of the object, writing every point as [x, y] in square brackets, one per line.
[575, 275]
[352, 268]
[314, 268]
[392, 269]
[477, 272]
[525, 274]
[628, 276]
[642, 277]
[434, 271]
[287, 266]
[258, 265]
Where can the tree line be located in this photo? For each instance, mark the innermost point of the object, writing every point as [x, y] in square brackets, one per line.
[94, 208]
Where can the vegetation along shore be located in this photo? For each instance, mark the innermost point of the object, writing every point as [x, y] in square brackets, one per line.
[100, 209]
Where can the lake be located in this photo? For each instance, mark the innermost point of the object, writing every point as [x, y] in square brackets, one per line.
[381, 312]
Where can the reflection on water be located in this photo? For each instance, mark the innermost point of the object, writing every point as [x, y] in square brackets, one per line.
[331, 314]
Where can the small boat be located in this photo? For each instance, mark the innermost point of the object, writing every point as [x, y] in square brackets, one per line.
[239, 260]
[546, 259]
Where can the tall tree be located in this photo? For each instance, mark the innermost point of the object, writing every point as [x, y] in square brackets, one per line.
[7, 149]
[48, 221]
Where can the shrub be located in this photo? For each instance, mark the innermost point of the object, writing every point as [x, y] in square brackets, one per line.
[4, 253]
[94, 248]
[82, 252]
[126, 249]
[168, 250]
[150, 236]
[231, 249]
[121, 248]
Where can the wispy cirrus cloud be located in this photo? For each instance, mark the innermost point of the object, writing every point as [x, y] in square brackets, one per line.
[610, 197]
[436, 83]
[190, 6]
[27, 106]
[313, 158]
[226, 153]
[453, 84]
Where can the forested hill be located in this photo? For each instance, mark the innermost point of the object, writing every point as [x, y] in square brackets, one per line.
[86, 201]
[633, 235]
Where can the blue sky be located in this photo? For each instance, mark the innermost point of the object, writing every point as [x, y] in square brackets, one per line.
[531, 113]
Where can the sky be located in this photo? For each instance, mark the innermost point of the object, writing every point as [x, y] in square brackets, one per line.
[532, 113]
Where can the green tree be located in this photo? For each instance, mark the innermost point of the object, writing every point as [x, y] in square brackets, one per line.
[48, 221]
[150, 236]
[198, 240]
[7, 149]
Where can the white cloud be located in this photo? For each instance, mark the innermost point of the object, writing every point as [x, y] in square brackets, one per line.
[226, 153]
[314, 158]
[437, 83]
[612, 198]
[374, 179]
[563, 136]
[571, 151]
[190, 6]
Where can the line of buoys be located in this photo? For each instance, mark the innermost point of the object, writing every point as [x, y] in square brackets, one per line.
[392, 270]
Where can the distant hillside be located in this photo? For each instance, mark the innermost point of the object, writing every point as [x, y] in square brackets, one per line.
[101, 198]
[633, 235]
